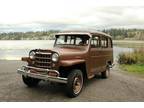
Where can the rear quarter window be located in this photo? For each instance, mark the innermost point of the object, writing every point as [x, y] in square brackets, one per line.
[109, 43]
[104, 42]
[95, 42]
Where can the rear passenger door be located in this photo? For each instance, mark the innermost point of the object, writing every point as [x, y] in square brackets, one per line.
[95, 54]
[104, 53]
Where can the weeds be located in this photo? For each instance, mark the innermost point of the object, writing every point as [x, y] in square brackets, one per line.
[135, 57]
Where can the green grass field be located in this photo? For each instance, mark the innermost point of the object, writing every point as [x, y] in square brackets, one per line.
[132, 62]
[134, 68]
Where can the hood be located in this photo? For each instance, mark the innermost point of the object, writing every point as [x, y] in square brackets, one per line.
[70, 53]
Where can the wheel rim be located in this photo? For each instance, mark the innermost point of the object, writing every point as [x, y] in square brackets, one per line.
[77, 84]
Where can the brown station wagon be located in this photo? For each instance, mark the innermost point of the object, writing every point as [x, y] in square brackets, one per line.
[76, 56]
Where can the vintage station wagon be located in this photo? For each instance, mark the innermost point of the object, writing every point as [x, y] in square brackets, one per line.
[76, 56]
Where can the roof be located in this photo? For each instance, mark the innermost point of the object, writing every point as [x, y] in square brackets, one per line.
[83, 33]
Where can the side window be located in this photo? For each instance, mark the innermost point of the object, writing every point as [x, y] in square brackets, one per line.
[95, 42]
[109, 43]
[78, 40]
[104, 42]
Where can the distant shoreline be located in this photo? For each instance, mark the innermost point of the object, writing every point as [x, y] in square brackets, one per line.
[129, 41]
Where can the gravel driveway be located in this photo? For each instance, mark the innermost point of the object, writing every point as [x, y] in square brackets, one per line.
[119, 87]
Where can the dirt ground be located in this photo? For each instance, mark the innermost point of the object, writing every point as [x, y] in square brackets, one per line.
[119, 87]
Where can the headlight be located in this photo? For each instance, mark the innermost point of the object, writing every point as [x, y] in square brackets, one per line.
[55, 57]
[32, 55]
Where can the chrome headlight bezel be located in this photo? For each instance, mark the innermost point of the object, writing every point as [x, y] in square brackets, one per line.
[32, 55]
[55, 57]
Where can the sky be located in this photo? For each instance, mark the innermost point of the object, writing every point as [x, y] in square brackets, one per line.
[42, 15]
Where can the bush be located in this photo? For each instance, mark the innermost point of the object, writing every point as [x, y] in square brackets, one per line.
[135, 57]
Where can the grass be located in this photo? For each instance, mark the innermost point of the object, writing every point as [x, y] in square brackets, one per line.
[134, 68]
[133, 61]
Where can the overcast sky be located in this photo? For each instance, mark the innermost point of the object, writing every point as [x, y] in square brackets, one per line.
[33, 15]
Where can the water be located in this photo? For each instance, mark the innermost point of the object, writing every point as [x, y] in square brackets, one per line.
[15, 49]
[118, 49]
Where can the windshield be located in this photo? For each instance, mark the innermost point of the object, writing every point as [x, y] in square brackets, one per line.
[70, 40]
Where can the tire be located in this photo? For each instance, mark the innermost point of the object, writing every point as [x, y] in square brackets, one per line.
[106, 73]
[75, 83]
[30, 82]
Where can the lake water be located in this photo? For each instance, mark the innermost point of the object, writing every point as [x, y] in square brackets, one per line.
[15, 49]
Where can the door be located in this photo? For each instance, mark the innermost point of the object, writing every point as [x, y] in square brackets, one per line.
[95, 55]
[106, 52]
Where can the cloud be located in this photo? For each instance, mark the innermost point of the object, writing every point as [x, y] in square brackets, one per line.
[115, 16]
[30, 15]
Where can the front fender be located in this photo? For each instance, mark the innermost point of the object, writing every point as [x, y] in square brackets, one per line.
[71, 62]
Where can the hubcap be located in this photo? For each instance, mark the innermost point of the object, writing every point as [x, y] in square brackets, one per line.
[77, 84]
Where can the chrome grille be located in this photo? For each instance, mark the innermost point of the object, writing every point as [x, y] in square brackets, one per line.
[43, 60]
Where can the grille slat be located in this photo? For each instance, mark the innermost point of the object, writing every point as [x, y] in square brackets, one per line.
[43, 60]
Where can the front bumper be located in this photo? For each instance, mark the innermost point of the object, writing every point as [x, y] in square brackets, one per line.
[25, 70]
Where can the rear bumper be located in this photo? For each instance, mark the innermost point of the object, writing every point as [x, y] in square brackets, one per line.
[25, 70]
[111, 66]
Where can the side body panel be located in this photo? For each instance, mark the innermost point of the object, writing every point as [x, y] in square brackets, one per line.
[99, 56]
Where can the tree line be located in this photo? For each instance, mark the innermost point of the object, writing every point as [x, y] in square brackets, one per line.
[117, 34]
[39, 35]
[132, 34]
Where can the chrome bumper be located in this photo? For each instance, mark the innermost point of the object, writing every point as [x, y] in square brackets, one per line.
[111, 66]
[25, 70]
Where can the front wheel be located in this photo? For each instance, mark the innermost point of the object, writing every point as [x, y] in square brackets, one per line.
[30, 82]
[75, 83]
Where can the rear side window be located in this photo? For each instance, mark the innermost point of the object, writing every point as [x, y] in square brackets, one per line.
[95, 42]
[109, 43]
[104, 42]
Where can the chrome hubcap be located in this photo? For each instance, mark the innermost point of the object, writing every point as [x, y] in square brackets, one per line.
[77, 84]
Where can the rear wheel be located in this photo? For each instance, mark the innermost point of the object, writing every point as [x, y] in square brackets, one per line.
[30, 82]
[106, 73]
[75, 83]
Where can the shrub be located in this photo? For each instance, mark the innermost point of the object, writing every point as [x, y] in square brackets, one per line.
[135, 57]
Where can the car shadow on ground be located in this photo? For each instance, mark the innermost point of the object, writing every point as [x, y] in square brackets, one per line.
[57, 90]
[90, 82]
